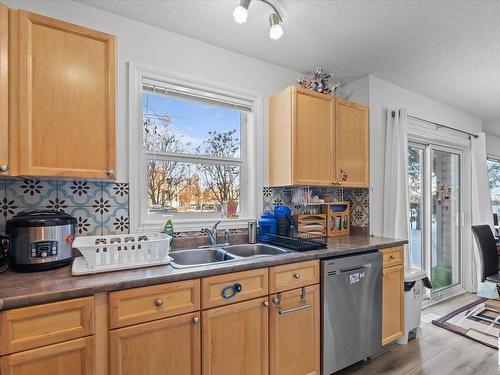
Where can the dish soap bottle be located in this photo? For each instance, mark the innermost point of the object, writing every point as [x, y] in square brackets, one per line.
[168, 228]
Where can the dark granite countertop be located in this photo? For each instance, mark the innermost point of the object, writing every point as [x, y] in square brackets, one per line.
[25, 289]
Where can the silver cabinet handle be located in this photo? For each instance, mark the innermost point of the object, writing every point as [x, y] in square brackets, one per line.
[265, 304]
[297, 276]
[298, 308]
[159, 302]
[303, 306]
[4, 168]
[110, 173]
[196, 320]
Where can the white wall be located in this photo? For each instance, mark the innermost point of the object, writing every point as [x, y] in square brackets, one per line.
[357, 91]
[383, 94]
[161, 49]
[492, 140]
[492, 145]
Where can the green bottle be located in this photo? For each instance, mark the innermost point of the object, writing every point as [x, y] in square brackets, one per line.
[169, 228]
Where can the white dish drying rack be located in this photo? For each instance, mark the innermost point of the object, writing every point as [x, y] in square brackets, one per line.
[118, 252]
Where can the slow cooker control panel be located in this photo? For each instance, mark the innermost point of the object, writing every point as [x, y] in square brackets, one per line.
[43, 249]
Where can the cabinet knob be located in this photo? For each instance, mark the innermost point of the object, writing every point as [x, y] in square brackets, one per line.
[265, 303]
[392, 257]
[4, 168]
[110, 173]
[159, 302]
[196, 320]
[297, 276]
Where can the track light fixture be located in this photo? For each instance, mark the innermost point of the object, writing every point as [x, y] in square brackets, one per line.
[240, 15]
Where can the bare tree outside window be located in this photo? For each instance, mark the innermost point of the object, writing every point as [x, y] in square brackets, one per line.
[165, 180]
[222, 181]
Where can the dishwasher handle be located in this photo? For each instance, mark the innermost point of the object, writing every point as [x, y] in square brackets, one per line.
[356, 268]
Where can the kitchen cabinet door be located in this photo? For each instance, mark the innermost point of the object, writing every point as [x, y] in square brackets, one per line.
[295, 332]
[75, 357]
[164, 347]
[65, 95]
[4, 90]
[313, 137]
[392, 304]
[235, 339]
[352, 152]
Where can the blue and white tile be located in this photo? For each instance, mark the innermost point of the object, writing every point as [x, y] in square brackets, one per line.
[87, 223]
[8, 210]
[32, 193]
[79, 192]
[100, 207]
[358, 216]
[116, 221]
[116, 193]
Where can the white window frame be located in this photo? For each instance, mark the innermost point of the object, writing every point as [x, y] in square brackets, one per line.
[250, 159]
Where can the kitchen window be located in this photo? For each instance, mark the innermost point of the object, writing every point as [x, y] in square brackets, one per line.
[194, 154]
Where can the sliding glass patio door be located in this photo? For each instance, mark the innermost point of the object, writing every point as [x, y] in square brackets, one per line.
[435, 179]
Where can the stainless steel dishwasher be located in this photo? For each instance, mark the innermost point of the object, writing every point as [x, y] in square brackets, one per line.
[351, 310]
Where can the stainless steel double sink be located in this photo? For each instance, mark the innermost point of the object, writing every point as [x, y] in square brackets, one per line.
[215, 255]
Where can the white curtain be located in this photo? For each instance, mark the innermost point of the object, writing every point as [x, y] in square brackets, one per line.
[482, 213]
[396, 212]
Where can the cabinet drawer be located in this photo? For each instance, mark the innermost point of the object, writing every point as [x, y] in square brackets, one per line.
[393, 256]
[75, 357]
[253, 284]
[295, 275]
[139, 305]
[35, 326]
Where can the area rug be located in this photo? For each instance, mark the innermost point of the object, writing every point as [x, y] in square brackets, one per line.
[478, 321]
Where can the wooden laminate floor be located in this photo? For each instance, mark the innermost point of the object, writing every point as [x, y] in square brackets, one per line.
[437, 352]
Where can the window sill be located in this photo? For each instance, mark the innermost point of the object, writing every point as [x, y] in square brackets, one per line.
[193, 225]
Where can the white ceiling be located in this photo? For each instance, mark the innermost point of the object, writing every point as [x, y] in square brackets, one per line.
[446, 50]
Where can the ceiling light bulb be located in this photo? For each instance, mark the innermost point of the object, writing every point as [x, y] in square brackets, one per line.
[276, 31]
[240, 13]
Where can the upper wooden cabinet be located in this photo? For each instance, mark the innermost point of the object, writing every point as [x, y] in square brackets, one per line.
[4, 90]
[62, 98]
[352, 144]
[313, 139]
[316, 139]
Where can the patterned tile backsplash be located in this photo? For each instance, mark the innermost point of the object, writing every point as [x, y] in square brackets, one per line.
[359, 198]
[99, 207]
[103, 207]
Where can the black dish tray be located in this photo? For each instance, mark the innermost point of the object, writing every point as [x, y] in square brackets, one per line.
[301, 242]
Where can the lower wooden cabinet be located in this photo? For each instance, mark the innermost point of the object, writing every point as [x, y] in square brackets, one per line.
[392, 303]
[75, 357]
[164, 347]
[235, 339]
[294, 330]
